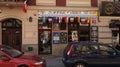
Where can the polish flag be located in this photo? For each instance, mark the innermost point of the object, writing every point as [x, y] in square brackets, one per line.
[25, 6]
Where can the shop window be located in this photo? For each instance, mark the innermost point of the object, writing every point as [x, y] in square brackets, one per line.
[45, 22]
[115, 36]
[78, 29]
[45, 35]
[59, 30]
[59, 23]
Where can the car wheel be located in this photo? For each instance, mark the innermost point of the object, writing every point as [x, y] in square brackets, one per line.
[79, 65]
[23, 66]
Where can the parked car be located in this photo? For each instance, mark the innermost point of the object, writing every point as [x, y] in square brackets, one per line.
[10, 57]
[83, 54]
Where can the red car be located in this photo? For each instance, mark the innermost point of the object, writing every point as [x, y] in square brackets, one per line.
[10, 57]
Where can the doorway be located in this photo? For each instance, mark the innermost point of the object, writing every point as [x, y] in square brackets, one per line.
[84, 33]
[12, 33]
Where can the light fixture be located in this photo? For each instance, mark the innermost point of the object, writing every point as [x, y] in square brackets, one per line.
[30, 19]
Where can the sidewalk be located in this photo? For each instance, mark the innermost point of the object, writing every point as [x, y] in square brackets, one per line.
[54, 61]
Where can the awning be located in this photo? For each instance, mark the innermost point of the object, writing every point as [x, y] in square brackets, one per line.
[114, 23]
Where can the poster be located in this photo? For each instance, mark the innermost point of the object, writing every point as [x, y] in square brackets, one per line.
[74, 35]
[94, 33]
[56, 38]
[63, 37]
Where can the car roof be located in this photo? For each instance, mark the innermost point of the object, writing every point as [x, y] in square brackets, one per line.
[86, 42]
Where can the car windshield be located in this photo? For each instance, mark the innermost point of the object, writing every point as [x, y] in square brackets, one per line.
[12, 52]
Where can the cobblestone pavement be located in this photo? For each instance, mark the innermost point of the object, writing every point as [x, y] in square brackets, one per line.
[53, 61]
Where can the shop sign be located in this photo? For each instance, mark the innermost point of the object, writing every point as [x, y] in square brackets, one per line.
[66, 13]
[94, 33]
[110, 9]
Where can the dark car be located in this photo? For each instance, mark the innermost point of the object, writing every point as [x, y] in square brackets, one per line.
[10, 57]
[83, 54]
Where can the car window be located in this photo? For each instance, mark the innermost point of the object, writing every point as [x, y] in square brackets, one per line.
[1, 55]
[83, 49]
[94, 47]
[106, 50]
[12, 52]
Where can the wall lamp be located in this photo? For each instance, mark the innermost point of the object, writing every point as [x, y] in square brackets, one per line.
[30, 19]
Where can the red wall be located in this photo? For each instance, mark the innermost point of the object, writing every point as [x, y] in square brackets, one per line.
[60, 2]
[94, 3]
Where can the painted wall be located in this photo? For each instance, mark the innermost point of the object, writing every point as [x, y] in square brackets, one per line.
[80, 3]
[29, 29]
[105, 33]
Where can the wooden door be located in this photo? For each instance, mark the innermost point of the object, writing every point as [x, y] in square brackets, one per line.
[12, 33]
[12, 37]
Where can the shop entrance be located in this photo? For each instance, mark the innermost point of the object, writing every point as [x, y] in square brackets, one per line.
[78, 32]
[84, 33]
[116, 36]
[12, 33]
[45, 36]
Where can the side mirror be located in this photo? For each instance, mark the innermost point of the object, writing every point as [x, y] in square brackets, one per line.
[5, 59]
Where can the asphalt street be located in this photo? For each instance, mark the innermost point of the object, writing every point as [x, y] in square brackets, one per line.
[54, 62]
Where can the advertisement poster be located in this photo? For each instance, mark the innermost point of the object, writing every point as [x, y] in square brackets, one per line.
[56, 38]
[74, 35]
[63, 37]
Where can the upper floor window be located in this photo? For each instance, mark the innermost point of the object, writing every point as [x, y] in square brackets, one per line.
[116, 0]
[11, 0]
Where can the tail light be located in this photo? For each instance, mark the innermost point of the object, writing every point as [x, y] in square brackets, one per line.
[69, 50]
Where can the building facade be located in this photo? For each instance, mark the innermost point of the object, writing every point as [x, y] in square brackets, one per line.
[49, 25]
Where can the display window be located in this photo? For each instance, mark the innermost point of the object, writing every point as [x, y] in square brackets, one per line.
[65, 27]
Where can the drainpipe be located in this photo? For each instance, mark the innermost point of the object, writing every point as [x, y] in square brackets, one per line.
[119, 34]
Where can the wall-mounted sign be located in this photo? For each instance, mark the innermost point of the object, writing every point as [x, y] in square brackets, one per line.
[110, 9]
[67, 13]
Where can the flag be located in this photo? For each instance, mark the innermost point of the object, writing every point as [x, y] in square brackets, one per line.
[56, 19]
[50, 19]
[25, 6]
[94, 20]
[60, 19]
[65, 19]
[83, 20]
[72, 19]
[78, 19]
[88, 19]
[43, 19]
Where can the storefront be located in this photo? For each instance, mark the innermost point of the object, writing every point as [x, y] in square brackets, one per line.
[115, 26]
[61, 27]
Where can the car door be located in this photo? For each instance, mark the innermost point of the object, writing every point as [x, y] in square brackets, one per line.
[5, 61]
[87, 54]
[94, 54]
[108, 55]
